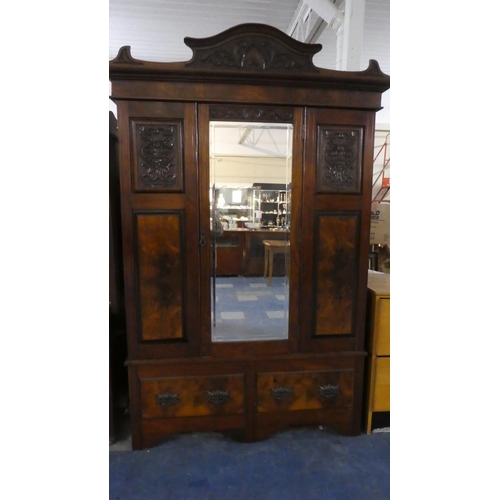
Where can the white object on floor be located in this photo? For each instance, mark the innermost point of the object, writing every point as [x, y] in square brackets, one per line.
[275, 314]
[232, 315]
[246, 297]
[383, 429]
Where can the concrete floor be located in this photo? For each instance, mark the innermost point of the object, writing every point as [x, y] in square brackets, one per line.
[122, 440]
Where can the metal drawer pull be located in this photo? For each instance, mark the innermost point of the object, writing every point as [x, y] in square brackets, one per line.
[281, 393]
[167, 399]
[218, 397]
[329, 391]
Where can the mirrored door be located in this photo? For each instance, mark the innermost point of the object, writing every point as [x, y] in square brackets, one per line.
[250, 216]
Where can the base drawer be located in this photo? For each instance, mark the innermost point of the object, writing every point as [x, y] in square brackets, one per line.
[381, 396]
[164, 397]
[304, 390]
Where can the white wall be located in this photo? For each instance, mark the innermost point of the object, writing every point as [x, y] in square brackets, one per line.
[247, 139]
[248, 170]
[383, 117]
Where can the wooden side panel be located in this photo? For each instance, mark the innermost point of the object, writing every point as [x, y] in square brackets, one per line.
[383, 327]
[338, 164]
[336, 244]
[161, 234]
[160, 275]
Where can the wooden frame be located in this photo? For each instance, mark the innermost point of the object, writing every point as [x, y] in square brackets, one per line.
[248, 73]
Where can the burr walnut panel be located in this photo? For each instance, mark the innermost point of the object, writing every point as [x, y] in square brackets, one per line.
[336, 244]
[304, 390]
[160, 274]
[339, 160]
[158, 156]
[192, 396]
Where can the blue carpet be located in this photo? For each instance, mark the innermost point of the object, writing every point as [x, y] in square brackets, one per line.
[300, 464]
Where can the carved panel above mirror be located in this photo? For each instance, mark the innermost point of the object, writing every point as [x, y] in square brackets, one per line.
[272, 114]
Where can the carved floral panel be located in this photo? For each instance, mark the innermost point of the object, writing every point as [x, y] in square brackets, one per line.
[339, 160]
[158, 156]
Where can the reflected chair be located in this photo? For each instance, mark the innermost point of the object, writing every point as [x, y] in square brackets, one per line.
[272, 247]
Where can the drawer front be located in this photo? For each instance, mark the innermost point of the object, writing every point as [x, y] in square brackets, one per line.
[383, 327]
[192, 396]
[304, 390]
[381, 397]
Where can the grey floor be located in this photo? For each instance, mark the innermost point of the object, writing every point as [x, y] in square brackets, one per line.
[122, 438]
[250, 309]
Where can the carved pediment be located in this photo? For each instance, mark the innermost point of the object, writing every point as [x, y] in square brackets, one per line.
[250, 54]
[252, 48]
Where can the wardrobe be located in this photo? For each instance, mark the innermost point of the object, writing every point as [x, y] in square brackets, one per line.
[183, 375]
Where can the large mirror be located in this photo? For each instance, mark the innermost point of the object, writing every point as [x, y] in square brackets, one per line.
[250, 216]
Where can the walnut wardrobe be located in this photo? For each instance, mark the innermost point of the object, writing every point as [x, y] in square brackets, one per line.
[183, 374]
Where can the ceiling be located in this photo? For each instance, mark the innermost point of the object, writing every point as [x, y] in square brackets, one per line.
[155, 29]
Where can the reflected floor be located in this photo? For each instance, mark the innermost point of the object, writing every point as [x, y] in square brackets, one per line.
[249, 309]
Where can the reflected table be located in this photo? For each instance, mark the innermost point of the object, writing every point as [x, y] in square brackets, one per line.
[272, 247]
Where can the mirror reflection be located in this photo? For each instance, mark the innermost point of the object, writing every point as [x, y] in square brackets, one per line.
[250, 209]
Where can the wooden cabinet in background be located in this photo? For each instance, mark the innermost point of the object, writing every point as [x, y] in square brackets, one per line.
[117, 337]
[378, 346]
[241, 253]
[230, 247]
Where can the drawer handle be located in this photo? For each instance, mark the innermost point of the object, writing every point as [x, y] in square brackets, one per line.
[167, 399]
[218, 397]
[329, 391]
[281, 393]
